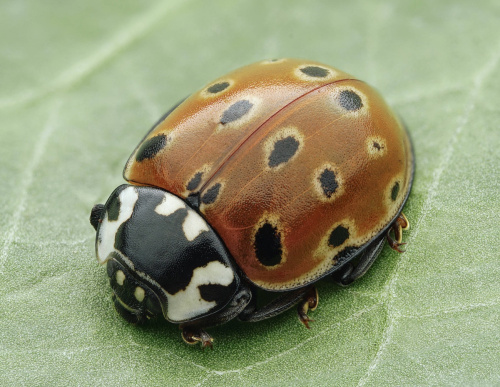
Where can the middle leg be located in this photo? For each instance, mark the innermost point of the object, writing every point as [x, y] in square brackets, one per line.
[306, 298]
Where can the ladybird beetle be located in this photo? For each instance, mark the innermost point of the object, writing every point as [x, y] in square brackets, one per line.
[271, 177]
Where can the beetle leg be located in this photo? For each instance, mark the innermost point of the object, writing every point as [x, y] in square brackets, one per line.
[394, 244]
[398, 232]
[194, 335]
[309, 302]
[279, 305]
[401, 223]
[349, 273]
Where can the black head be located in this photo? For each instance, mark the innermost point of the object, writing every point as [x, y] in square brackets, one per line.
[133, 299]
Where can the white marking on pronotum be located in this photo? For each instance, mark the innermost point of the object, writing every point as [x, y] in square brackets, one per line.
[193, 225]
[188, 303]
[169, 205]
[108, 229]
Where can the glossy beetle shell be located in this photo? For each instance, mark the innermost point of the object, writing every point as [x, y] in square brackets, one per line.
[296, 165]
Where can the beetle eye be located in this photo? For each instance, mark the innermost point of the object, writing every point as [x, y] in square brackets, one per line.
[96, 215]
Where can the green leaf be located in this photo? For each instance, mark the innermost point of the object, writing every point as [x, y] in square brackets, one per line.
[83, 81]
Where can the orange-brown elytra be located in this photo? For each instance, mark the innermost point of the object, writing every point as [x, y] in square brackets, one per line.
[296, 170]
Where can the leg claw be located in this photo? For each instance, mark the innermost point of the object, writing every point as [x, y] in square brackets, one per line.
[192, 336]
[400, 224]
[310, 302]
[305, 319]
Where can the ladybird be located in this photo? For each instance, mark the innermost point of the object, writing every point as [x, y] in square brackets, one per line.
[268, 179]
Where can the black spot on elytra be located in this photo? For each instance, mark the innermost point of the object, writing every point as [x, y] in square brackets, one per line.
[328, 182]
[151, 147]
[195, 181]
[283, 151]
[218, 87]
[395, 191]
[315, 71]
[338, 236]
[267, 245]
[211, 195]
[236, 111]
[349, 100]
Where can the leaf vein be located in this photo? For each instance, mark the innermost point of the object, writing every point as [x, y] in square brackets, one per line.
[128, 35]
[392, 316]
[27, 180]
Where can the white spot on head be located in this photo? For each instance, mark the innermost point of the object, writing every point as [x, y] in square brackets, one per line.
[188, 303]
[169, 205]
[120, 277]
[139, 294]
[193, 225]
[108, 228]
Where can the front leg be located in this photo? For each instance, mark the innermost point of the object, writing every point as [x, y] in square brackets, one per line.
[194, 335]
[193, 332]
[309, 302]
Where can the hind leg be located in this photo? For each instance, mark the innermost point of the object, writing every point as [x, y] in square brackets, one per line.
[306, 299]
[352, 272]
[400, 224]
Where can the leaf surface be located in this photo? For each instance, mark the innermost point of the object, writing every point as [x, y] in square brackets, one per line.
[83, 81]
